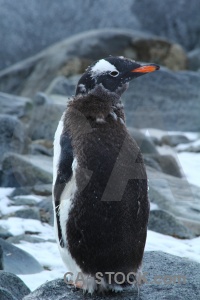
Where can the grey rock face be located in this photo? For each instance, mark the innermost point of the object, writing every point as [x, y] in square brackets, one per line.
[174, 140]
[17, 200]
[163, 222]
[1, 258]
[145, 143]
[64, 18]
[168, 19]
[46, 115]
[180, 281]
[4, 233]
[194, 59]
[165, 100]
[16, 106]
[73, 55]
[12, 136]
[28, 238]
[168, 164]
[12, 287]
[43, 189]
[61, 86]
[46, 210]
[26, 170]
[28, 213]
[174, 195]
[40, 189]
[151, 162]
[18, 261]
[36, 149]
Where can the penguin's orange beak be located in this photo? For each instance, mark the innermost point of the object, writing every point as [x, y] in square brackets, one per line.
[146, 69]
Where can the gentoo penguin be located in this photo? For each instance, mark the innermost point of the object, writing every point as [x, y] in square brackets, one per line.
[100, 188]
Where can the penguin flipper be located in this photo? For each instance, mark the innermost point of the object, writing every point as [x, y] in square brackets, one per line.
[63, 171]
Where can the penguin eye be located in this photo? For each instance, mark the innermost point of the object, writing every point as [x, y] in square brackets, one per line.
[114, 73]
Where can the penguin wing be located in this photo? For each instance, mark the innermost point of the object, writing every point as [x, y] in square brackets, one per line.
[63, 159]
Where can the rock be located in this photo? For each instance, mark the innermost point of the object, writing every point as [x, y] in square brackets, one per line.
[12, 136]
[145, 143]
[36, 149]
[171, 19]
[159, 51]
[174, 140]
[23, 200]
[42, 189]
[26, 170]
[4, 234]
[1, 258]
[190, 147]
[31, 19]
[165, 223]
[71, 56]
[194, 226]
[12, 287]
[180, 281]
[151, 162]
[18, 261]
[19, 107]
[174, 195]
[19, 191]
[61, 86]
[28, 238]
[164, 100]
[28, 213]
[46, 116]
[168, 164]
[194, 59]
[46, 210]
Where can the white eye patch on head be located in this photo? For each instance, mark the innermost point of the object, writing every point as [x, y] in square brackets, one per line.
[102, 66]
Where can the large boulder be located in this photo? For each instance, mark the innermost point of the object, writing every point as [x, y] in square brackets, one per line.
[180, 281]
[176, 20]
[13, 135]
[47, 111]
[12, 287]
[20, 107]
[64, 18]
[194, 59]
[72, 56]
[174, 139]
[175, 195]
[26, 170]
[18, 261]
[163, 222]
[166, 100]
[144, 142]
[167, 164]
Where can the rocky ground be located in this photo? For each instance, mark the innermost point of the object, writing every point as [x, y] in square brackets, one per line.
[162, 114]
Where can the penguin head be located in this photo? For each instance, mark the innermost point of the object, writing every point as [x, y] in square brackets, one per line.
[113, 73]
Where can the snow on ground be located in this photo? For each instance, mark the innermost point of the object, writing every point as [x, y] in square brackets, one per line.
[5, 207]
[18, 226]
[190, 164]
[184, 248]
